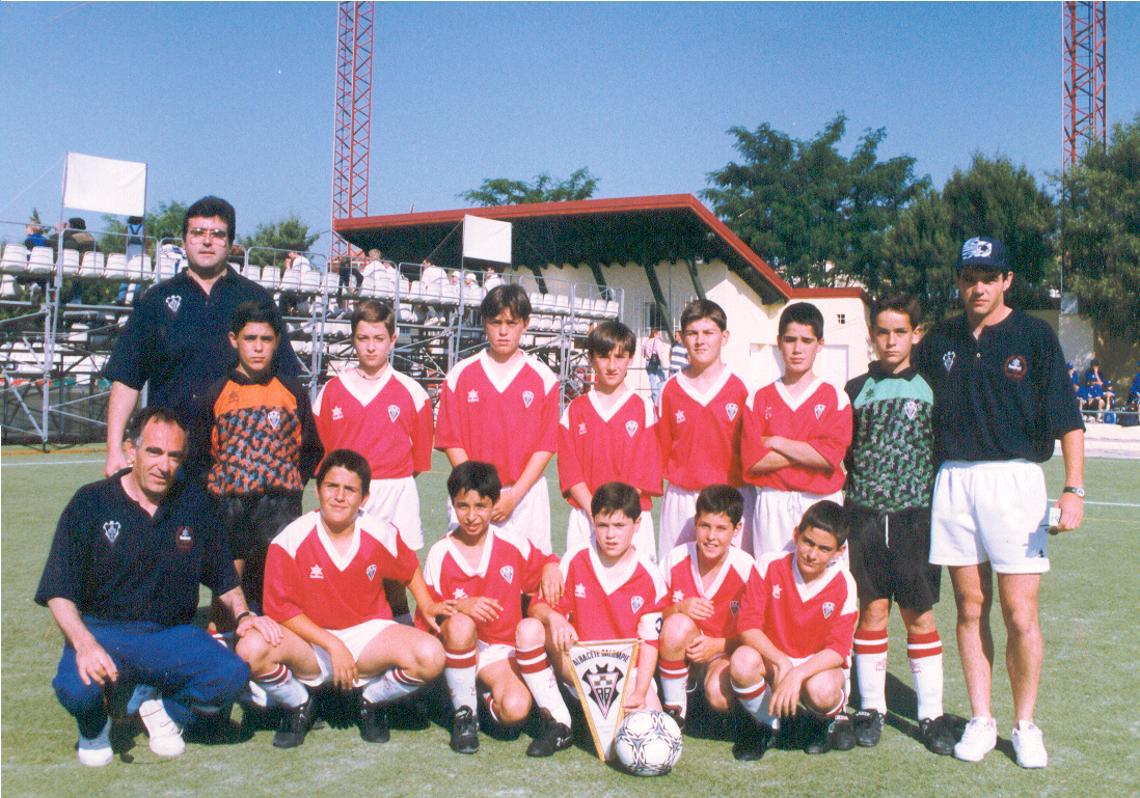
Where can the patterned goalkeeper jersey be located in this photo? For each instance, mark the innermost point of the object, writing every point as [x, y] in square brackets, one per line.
[890, 465]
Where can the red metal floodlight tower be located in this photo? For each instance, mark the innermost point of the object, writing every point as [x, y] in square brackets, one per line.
[1084, 42]
[352, 125]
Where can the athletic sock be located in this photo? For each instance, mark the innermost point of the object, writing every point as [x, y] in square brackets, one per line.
[282, 688]
[674, 679]
[392, 685]
[871, 668]
[925, 652]
[542, 683]
[459, 673]
[754, 699]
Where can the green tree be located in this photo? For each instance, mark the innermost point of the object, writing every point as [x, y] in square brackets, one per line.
[544, 188]
[920, 254]
[289, 233]
[1101, 231]
[165, 222]
[815, 215]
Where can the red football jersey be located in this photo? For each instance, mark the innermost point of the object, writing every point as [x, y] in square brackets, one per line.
[683, 581]
[388, 420]
[597, 445]
[621, 605]
[503, 423]
[820, 417]
[510, 566]
[801, 618]
[700, 433]
[304, 573]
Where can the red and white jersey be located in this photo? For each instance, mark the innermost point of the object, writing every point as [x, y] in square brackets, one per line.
[700, 432]
[509, 567]
[620, 604]
[502, 422]
[388, 421]
[801, 618]
[304, 573]
[726, 592]
[597, 445]
[820, 417]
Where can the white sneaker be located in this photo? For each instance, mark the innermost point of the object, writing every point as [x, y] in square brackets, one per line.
[165, 735]
[1029, 745]
[978, 739]
[95, 752]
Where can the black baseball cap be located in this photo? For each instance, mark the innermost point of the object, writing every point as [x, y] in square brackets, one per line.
[981, 252]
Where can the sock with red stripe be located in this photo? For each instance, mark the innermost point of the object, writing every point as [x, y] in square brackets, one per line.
[674, 679]
[282, 689]
[542, 683]
[925, 652]
[754, 699]
[871, 668]
[393, 684]
[459, 674]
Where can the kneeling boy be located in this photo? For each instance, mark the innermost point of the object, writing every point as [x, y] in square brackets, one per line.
[324, 582]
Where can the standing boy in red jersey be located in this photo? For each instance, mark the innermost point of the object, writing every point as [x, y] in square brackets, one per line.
[609, 434]
[796, 434]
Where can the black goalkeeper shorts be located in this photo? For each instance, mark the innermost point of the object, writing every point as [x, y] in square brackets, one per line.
[890, 557]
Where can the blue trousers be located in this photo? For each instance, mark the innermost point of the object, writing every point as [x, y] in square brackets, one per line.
[194, 673]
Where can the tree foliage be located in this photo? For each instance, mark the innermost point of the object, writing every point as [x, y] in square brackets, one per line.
[920, 254]
[817, 216]
[165, 222]
[288, 234]
[1101, 231]
[544, 188]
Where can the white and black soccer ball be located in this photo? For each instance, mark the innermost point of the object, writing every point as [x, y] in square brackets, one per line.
[648, 743]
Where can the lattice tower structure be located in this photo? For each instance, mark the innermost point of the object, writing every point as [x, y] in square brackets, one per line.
[352, 123]
[1084, 47]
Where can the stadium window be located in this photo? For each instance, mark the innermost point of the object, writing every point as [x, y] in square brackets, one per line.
[841, 318]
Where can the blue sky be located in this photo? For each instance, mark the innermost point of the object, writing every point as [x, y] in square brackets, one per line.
[237, 99]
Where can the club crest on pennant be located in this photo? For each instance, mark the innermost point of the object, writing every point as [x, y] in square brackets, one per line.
[111, 530]
[911, 409]
[636, 603]
[370, 572]
[948, 360]
[508, 573]
[603, 683]
[599, 671]
[731, 409]
[274, 418]
[828, 608]
[819, 410]
[528, 398]
[174, 301]
[393, 412]
[631, 428]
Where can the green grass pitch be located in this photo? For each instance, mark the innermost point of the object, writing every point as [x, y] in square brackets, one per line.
[1089, 603]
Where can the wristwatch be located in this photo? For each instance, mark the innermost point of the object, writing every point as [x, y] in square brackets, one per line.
[1078, 492]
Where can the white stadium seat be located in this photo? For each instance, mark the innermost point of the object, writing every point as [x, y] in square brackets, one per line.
[41, 261]
[69, 261]
[92, 264]
[116, 266]
[15, 258]
[139, 268]
[8, 287]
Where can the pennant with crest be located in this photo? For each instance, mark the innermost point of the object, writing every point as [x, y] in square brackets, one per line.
[602, 670]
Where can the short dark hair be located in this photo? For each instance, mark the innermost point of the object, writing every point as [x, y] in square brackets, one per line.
[826, 516]
[898, 303]
[254, 311]
[704, 309]
[346, 458]
[374, 311]
[801, 313]
[508, 296]
[608, 336]
[142, 417]
[721, 500]
[616, 496]
[208, 207]
[483, 478]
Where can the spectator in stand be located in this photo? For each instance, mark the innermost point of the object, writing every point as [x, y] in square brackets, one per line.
[654, 353]
[136, 248]
[678, 356]
[1078, 389]
[1134, 391]
[432, 276]
[345, 272]
[491, 278]
[75, 235]
[34, 236]
[1099, 386]
[378, 266]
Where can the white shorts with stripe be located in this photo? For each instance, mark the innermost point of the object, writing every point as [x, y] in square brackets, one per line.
[679, 509]
[356, 639]
[778, 513]
[489, 653]
[991, 511]
[579, 532]
[397, 500]
[530, 519]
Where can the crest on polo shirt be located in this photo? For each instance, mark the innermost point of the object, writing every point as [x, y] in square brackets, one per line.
[631, 428]
[508, 573]
[274, 418]
[528, 398]
[370, 572]
[111, 531]
[948, 360]
[731, 409]
[828, 608]
[184, 538]
[174, 302]
[819, 410]
[636, 603]
[393, 412]
[1016, 367]
[911, 409]
[337, 413]
[472, 396]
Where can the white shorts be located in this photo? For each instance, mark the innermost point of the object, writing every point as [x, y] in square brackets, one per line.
[398, 501]
[679, 509]
[530, 519]
[489, 653]
[995, 511]
[356, 639]
[579, 532]
[778, 513]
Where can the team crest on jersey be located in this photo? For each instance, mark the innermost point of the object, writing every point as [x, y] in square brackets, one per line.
[819, 410]
[316, 573]
[631, 428]
[472, 396]
[775, 591]
[174, 302]
[680, 416]
[111, 531]
[528, 398]
[393, 412]
[678, 596]
[828, 608]
[184, 538]
[948, 360]
[911, 409]
[1015, 367]
[508, 573]
[274, 418]
[579, 590]
[636, 603]
[337, 413]
[370, 572]
[731, 409]
[734, 607]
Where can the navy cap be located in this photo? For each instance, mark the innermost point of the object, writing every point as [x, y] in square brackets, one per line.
[982, 253]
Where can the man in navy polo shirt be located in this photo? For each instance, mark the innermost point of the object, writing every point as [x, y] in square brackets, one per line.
[1001, 398]
[177, 339]
[121, 582]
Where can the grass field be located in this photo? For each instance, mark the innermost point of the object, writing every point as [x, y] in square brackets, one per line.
[1089, 603]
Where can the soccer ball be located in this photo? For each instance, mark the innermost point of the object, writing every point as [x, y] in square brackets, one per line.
[648, 743]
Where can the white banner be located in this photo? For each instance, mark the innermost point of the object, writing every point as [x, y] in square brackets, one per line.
[603, 670]
[99, 184]
[486, 239]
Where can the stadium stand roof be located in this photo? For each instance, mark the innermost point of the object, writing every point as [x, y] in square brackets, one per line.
[637, 230]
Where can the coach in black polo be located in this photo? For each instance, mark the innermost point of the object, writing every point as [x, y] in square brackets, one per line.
[176, 340]
[1001, 398]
